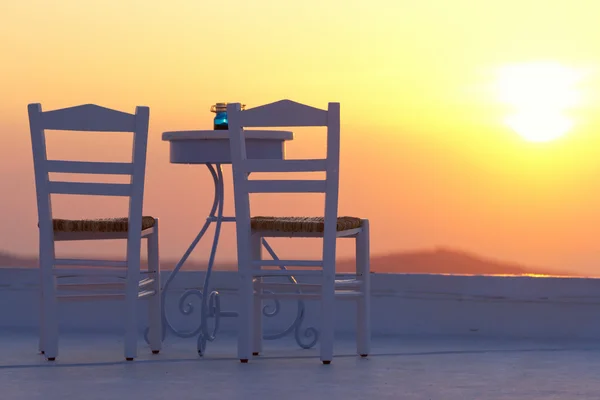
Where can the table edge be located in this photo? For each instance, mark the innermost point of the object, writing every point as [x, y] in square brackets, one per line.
[197, 134]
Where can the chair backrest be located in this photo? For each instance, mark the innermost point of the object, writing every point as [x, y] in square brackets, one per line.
[89, 118]
[285, 113]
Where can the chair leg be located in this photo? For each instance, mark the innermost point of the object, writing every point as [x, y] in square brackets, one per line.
[49, 320]
[131, 298]
[327, 316]
[246, 307]
[41, 318]
[257, 313]
[154, 302]
[363, 304]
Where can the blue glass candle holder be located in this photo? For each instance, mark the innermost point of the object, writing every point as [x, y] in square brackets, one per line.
[220, 121]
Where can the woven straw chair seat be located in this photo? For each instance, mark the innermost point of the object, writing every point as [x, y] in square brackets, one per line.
[301, 224]
[98, 225]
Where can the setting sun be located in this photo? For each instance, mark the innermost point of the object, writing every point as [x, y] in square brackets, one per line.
[539, 94]
[539, 126]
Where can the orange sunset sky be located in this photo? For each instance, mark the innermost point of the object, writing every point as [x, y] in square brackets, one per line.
[427, 88]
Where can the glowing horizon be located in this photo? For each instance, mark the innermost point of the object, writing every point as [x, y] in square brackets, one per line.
[429, 149]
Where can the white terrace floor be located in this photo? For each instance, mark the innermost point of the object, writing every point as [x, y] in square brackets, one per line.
[400, 367]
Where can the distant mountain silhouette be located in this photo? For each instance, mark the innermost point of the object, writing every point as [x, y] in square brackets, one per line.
[447, 261]
[436, 261]
[10, 260]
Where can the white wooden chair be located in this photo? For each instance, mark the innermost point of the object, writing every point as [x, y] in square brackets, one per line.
[129, 287]
[251, 230]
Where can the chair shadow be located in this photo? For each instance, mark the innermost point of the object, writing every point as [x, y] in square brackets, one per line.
[58, 364]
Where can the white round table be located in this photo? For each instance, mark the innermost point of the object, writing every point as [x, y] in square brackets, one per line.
[211, 148]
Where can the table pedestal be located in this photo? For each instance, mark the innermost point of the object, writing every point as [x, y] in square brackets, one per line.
[211, 303]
